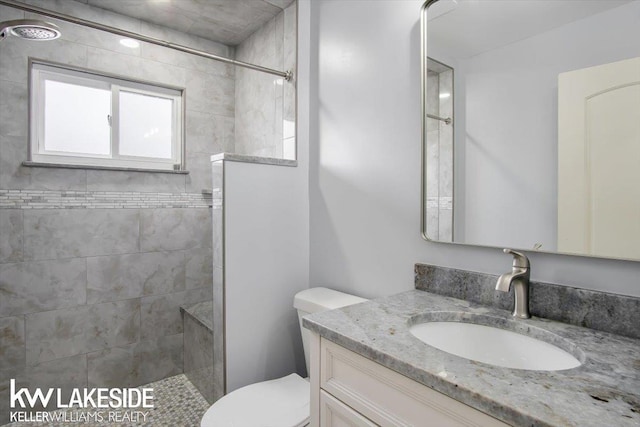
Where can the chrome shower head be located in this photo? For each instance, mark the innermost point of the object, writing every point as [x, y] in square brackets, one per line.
[29, 29]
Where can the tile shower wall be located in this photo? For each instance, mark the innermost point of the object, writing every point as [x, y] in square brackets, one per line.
[266, 128]
[94, 264]
[198, 348]
[209, 85]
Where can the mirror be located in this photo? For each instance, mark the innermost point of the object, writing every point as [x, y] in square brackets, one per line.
[531, 125]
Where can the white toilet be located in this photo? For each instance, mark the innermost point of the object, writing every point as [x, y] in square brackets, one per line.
[283, 402]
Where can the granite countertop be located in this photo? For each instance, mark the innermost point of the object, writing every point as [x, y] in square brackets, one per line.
[603, 391]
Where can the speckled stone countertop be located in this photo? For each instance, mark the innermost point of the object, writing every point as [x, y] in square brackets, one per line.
[603, 391]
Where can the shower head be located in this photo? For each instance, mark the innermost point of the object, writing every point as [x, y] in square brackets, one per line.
[29, 29]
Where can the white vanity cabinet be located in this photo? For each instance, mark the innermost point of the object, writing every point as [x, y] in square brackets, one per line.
[350, 390]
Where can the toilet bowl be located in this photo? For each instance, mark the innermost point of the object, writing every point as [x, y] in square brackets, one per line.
[283, 402]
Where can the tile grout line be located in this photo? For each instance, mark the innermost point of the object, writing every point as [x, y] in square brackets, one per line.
[108, 302]
[101, 349]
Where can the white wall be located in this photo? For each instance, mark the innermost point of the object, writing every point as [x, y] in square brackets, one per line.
[267, 253]
[266, 263]
[365, 162]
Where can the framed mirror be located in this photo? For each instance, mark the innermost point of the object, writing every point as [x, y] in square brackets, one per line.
[531, 125]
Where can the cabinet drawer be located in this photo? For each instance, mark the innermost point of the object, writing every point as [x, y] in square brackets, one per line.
[334, 413]
[388, 398]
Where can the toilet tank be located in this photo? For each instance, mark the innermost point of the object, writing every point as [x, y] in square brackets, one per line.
[315, 300]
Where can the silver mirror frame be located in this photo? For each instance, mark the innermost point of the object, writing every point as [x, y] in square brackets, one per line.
[423, 121]
[423, 198]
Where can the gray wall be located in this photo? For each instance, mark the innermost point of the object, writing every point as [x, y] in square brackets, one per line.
[95, 264]
[365, 162]
[265, 105]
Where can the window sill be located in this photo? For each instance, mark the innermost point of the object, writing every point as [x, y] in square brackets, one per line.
[107, 168]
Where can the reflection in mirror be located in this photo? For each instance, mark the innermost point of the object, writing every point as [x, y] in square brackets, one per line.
[439, 151]
[546, 125]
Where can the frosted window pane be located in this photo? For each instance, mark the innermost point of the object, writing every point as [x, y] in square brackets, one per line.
[76, 119]
[145, 125]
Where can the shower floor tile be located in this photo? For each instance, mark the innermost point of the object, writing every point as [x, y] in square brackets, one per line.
[177, 403]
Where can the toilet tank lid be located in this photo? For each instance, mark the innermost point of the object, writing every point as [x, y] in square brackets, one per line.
[321, 299]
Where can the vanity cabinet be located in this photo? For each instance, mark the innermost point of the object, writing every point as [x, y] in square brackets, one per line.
[350, 390]
[334, 413]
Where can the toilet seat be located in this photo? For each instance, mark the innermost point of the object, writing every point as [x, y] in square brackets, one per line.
[283, 402]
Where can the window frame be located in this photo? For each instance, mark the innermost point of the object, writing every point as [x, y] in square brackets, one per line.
[42, 71]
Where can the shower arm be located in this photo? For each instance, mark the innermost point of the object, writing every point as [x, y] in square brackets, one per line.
[287, 75]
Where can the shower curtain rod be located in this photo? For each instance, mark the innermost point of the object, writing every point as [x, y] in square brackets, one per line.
[447, 120]
[287, 75]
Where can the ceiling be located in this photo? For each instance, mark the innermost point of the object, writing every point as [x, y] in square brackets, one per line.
[225, 21]
[465, 28]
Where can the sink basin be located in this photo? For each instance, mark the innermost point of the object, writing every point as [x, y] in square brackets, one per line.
[471, 337]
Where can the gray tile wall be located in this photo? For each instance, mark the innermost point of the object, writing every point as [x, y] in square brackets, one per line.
[198, 348]
[209, 90]
[92, 296]
[108, 307]
[265, 104]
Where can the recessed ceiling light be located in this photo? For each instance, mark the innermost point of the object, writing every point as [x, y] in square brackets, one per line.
[130, 43]
[444, 95]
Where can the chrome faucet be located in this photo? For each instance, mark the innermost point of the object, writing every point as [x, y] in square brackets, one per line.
[519, 279]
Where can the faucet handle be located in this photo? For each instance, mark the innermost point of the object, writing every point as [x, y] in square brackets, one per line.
[520, 260]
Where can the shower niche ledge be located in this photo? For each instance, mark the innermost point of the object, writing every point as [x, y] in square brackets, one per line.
[243, 158]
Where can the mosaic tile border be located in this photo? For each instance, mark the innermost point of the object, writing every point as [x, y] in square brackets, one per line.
[440, 203]
[177, 402]
[52, 199]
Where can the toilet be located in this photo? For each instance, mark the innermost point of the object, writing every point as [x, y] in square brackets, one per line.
[283, 402]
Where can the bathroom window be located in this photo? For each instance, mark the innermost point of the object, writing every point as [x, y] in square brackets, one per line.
[89, 119]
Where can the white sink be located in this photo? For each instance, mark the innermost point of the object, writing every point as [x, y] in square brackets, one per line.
[495, 346]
